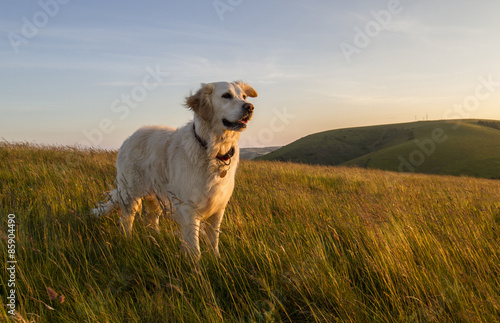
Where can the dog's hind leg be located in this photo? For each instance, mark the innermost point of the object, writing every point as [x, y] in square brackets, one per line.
[129, 210]
[153, 212]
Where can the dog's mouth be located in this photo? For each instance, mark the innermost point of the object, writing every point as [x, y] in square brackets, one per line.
[237, 125]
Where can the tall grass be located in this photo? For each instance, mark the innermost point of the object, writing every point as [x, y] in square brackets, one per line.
[298, 244]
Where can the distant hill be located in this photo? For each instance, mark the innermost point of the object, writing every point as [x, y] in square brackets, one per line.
[252, 153]
[452, 147]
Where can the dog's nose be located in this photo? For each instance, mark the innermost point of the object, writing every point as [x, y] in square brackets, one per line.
[248, 106]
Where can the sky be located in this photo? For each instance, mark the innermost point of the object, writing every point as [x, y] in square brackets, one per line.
[92, 72]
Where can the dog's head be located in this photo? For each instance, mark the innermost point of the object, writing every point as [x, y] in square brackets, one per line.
[223, 104]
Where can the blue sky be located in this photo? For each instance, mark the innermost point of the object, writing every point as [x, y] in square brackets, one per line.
[92, 72]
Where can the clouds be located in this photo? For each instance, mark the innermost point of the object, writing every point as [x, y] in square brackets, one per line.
[427, 55]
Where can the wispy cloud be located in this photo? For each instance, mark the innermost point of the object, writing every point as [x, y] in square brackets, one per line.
[289, 50]
[25, 109]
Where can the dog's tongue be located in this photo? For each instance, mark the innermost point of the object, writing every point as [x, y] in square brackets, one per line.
[245, 120]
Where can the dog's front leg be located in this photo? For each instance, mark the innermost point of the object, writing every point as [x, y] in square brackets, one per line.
[190, 231]
[212, 230]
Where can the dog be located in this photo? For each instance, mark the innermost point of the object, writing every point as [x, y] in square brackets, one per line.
[189, 170]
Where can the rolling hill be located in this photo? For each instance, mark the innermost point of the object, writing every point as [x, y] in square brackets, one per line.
[450, 147]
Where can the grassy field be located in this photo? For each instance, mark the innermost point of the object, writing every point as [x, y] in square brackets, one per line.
[451, 147]
[299, 244]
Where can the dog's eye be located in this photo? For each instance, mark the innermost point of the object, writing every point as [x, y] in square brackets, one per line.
[227, 96]
[244, 97]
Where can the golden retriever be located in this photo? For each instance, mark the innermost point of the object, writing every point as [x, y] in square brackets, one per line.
[189, 170]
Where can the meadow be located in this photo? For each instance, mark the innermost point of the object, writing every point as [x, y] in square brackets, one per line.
[298, 244]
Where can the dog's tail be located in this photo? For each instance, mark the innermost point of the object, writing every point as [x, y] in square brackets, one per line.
[104, 208]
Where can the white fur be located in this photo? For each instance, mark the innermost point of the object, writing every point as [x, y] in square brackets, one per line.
[167, 168]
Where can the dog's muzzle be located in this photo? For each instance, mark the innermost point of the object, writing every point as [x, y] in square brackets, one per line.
[243, 121]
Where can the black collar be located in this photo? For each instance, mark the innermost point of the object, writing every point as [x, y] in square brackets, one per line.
[204, 144]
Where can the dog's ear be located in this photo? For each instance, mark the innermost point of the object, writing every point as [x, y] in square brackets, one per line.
[200, 102]
[247, 89]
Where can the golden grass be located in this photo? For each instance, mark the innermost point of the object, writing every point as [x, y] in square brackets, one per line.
[299, 244]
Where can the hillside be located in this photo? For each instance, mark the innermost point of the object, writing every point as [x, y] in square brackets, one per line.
[453, 147]
[252, 153]
[299, 243]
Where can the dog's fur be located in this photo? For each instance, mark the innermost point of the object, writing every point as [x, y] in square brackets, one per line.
[180, 169]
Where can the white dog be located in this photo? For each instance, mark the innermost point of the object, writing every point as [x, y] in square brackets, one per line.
[191, 170]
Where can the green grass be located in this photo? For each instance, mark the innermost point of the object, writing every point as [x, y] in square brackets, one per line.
[470, 147]
[299, 244]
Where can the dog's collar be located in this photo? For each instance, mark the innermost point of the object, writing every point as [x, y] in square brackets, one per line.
[204, 144]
